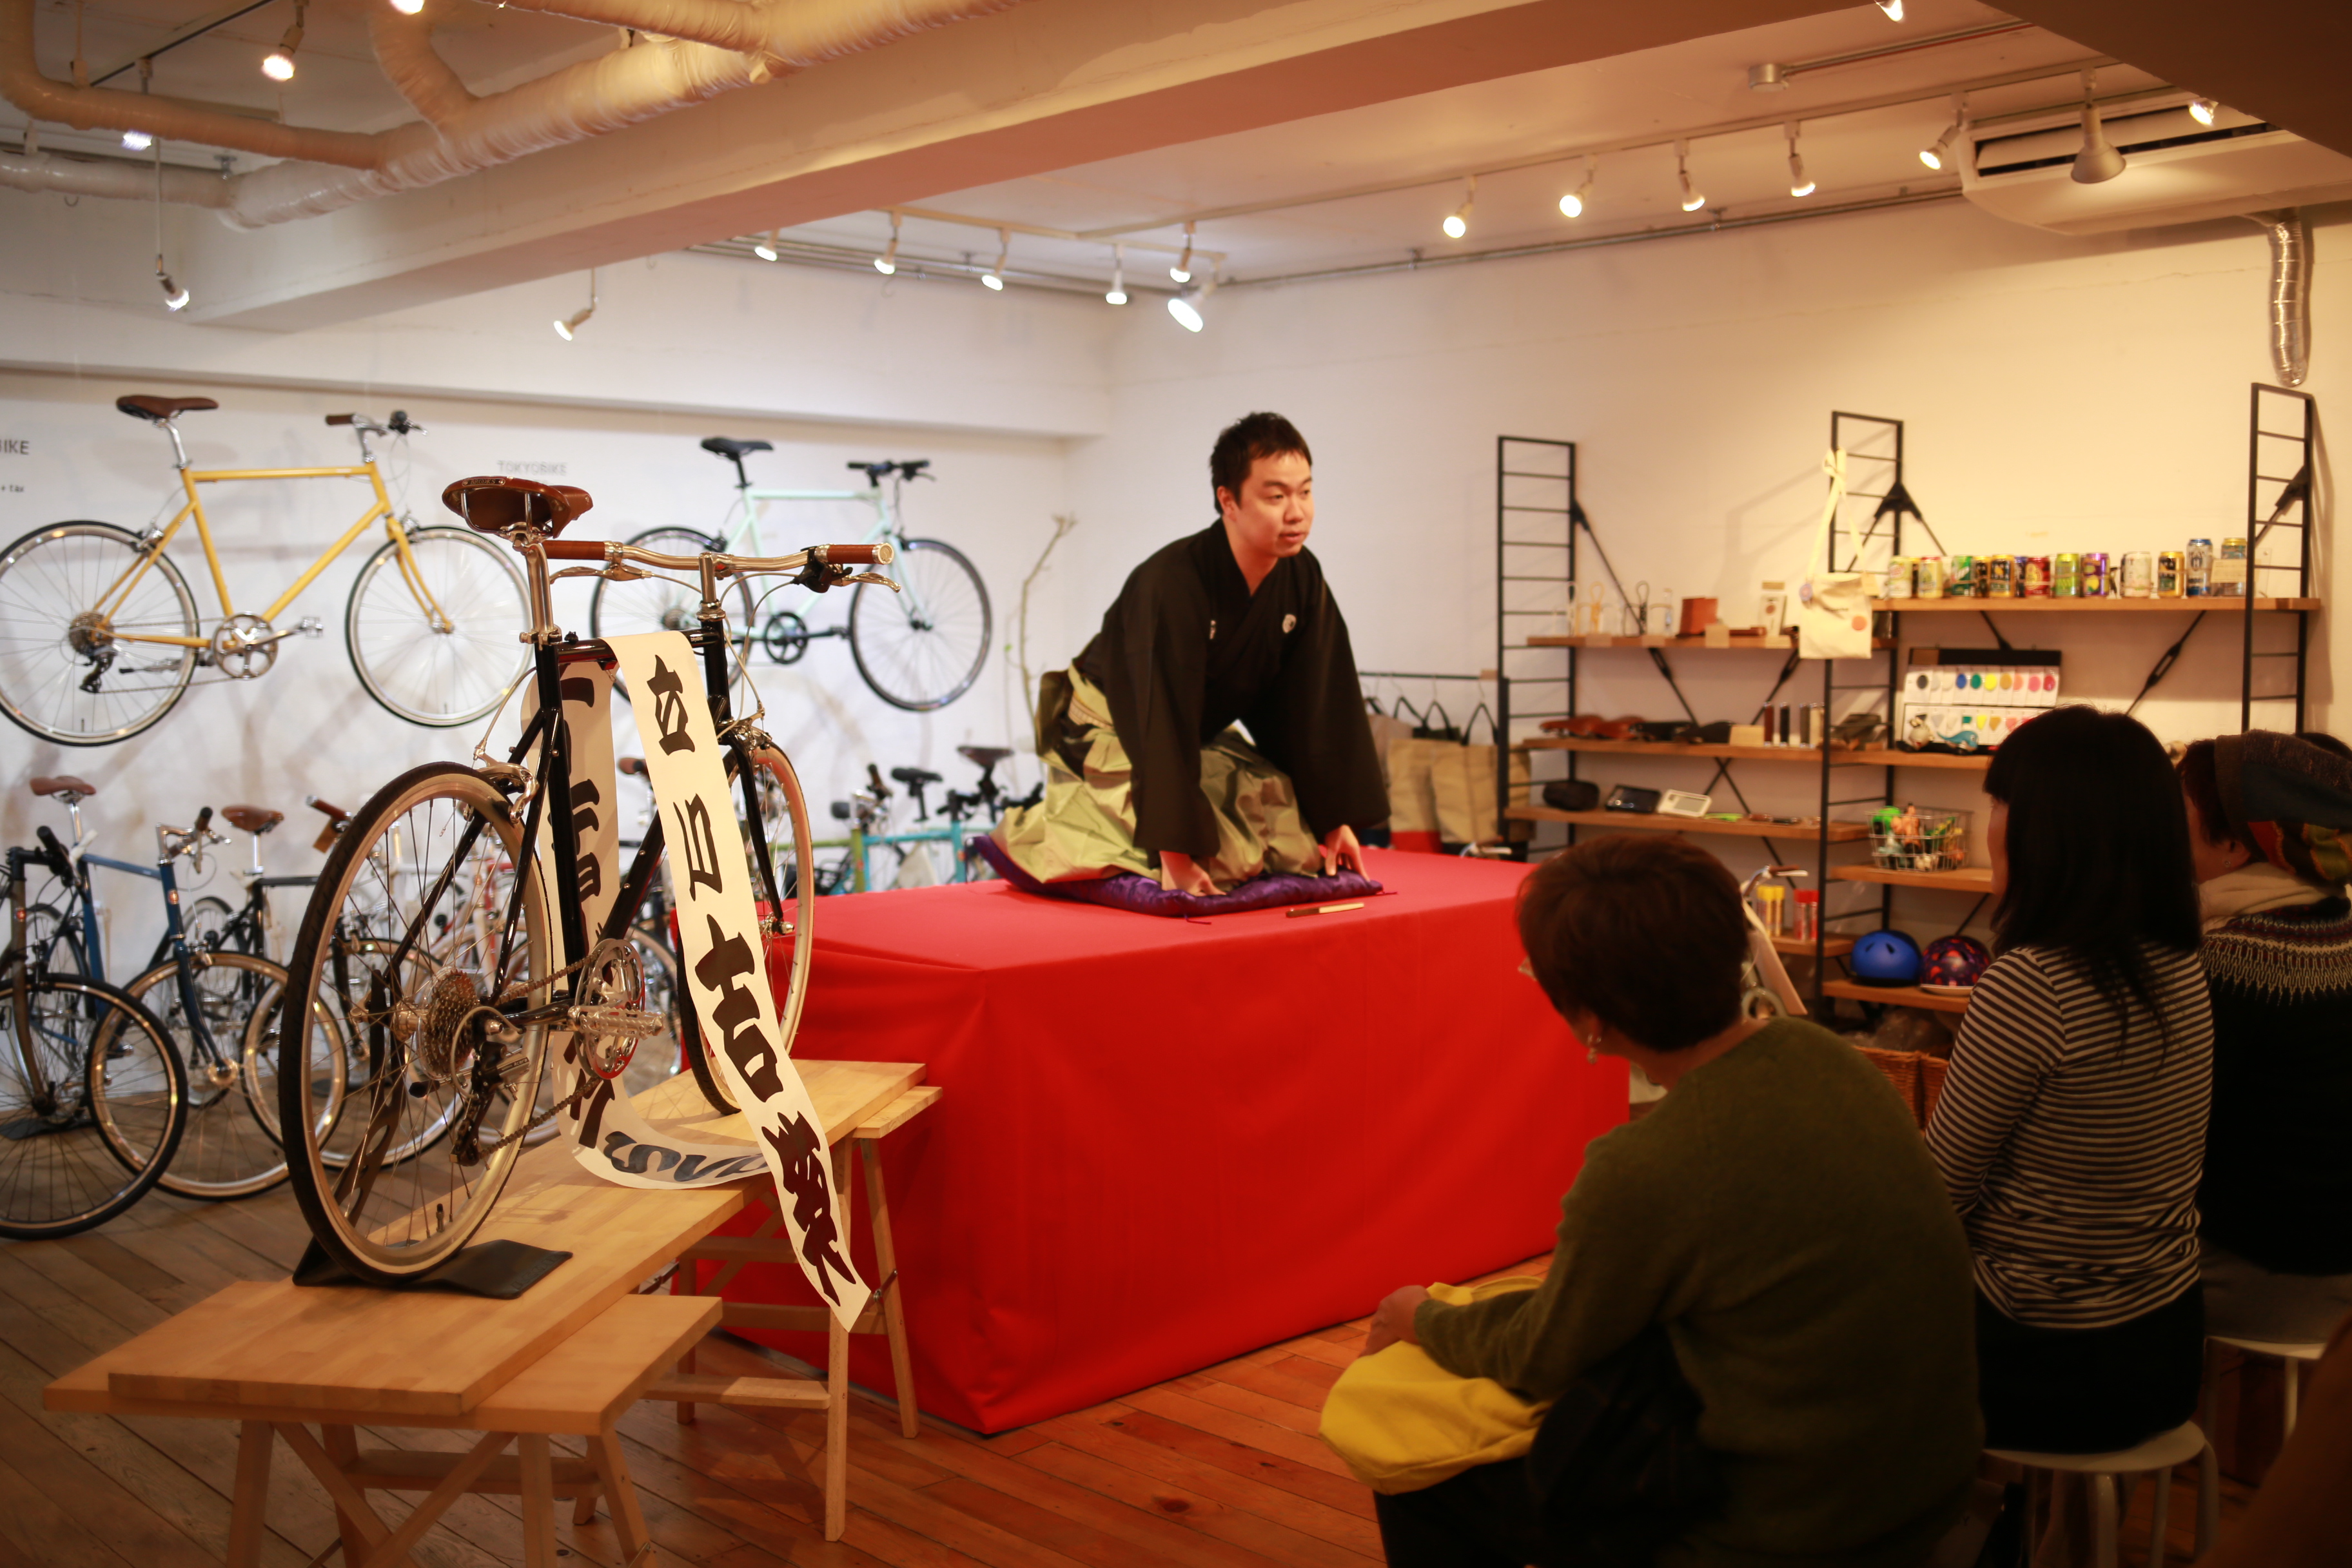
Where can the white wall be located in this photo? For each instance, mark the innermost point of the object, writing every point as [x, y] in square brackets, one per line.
[2059, 394]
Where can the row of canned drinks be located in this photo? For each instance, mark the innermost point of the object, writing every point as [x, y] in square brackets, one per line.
[2197, 572]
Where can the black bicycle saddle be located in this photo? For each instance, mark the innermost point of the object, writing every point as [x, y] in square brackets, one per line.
[732, 451]
[984, 757]
[915, 776]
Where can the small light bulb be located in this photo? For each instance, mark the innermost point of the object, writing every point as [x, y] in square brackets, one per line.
[1455, 227]
[1180, 275]
[408, 7]
[765, 249]
[137, 141]
[1799, 184]
[1692, 200]
[1187, 313]
[278, 66]
[994, 281]
[563, 330]
[2201, 109]
[1893, 9]
[885, 266]
[1932, 156]
[1571, 204]
[174, 297]
[1116, 297]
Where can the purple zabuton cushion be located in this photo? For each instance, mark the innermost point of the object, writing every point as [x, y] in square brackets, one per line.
[1145, 896]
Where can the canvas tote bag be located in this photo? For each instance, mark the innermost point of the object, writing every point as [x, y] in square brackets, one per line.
[1413, 798]
[1462, 784]
[1832, 609]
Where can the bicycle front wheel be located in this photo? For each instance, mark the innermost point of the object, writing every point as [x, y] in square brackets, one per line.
[438, 648]
[231, 1148]
[922, 648]
[660, 604]
[425, 866]
[74, 598]
[93, 1102]
[789, 953]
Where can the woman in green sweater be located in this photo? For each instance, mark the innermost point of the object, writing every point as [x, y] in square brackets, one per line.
[1777, 1213]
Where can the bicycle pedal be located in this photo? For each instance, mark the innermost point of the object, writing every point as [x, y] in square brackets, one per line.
[629, 1023]
[311, 627]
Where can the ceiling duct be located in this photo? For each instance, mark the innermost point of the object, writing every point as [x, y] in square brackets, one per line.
[700, 48]
[2289, 294]
[2175, 168]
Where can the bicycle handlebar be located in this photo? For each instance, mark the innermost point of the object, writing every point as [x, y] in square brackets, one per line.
[334, 814]
[613, 553]
[397, 425]
[204, 822]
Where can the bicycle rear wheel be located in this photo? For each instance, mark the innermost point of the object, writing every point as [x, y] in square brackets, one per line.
[93, 1102]
[231, 1148]
[921, 648]
[656, 1059]
[424, 867]
[445, 669]
[777, 781]
[67, 672]
[661, 604]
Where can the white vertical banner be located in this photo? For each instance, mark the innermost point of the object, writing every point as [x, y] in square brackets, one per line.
[724, 953]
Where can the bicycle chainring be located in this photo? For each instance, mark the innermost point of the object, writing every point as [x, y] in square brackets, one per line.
[612, 977]
[243, 649]
[785, 636]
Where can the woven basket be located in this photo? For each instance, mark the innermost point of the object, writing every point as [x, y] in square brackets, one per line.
[1902, 1070]
[1931, 1085]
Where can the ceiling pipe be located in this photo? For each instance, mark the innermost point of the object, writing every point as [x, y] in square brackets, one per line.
[462, 135]
[109, 177]
[2290, 292]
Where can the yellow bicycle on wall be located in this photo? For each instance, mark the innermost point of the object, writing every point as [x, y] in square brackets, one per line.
[100, 635]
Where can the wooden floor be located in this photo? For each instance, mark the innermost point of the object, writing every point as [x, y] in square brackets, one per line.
[1219, 1469]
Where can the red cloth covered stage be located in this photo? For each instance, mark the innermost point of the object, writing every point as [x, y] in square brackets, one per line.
[1164, 1143]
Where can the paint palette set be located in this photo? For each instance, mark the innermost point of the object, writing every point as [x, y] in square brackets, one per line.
[1972, 699]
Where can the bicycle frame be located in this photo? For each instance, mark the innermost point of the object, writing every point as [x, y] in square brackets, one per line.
[752, 501]
[174, 944]
[119, 590]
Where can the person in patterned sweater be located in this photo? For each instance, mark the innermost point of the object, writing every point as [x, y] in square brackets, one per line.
[2271, 826]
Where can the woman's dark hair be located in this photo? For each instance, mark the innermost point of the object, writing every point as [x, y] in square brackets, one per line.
[1646, 934]
[2202, 784]
[2098, 850]
[1241, 443]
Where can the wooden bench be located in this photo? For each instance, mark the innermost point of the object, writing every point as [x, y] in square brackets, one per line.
[562, 1359]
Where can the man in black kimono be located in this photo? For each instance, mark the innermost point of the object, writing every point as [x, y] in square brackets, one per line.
[1235, 623]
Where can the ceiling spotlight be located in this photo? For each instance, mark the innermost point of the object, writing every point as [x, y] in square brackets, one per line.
[765, 249]
[1186, 309]
[1800, 183]
[1767, 78]
[1182, 270]
[277, 65]
[994, 276]
[2202, 109]
[137, 141]
[408, 7]
[887, 262]
[2098, 161]
[1117, 295]
[1934, 156]
[565, 328]
[1692, 199]
[1457, 222]
[1893, 9]
[1573, 203]
[174, 297]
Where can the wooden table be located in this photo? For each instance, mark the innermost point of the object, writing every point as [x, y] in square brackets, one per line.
[577, 1348]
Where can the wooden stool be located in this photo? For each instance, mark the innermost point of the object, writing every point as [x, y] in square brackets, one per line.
[884, 1314]
[578, 1388]
[2155, 1458]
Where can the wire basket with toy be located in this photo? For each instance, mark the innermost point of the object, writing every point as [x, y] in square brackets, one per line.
[1918, 838]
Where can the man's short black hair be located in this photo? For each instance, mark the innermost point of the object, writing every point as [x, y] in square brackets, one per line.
[1241, 443]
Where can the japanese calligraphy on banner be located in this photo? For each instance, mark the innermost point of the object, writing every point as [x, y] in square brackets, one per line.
[723, 971]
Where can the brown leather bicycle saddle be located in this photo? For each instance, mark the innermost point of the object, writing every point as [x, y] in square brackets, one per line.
[63, 784]
[983, 756]
[139, 405]
[253, 818]
[493, 503]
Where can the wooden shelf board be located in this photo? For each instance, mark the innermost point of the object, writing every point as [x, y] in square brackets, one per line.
[1671, 749]
[1838, 946]
[1971, 879]
[1974, 762]
[2091, 606]
[1657, 822]
[1749, 642]
[1893, 995]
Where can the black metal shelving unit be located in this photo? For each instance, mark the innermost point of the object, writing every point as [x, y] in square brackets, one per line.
[1536, 520]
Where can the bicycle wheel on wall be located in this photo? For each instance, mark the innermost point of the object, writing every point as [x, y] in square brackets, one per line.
[93, 1102]
[67, 672]
[426, 858]
[778, 781]
[230, 1149]
[921, 648]
[661, 604]
[451, 661]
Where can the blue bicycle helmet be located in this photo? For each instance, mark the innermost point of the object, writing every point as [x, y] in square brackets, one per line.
[1885, 958]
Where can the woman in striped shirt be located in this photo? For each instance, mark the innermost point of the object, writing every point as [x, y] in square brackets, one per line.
[2071, 1129]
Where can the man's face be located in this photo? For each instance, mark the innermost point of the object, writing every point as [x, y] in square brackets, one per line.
[1276, 511]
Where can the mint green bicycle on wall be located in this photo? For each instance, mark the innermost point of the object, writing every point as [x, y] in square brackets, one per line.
[919, 649]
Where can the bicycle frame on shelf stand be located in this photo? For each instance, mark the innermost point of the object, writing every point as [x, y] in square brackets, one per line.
[752, 501]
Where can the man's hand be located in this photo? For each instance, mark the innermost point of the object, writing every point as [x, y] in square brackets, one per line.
[1342, 851]
[1179, 875]
[1393, 1320]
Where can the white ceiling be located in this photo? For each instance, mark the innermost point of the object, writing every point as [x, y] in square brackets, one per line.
[1439, 135]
